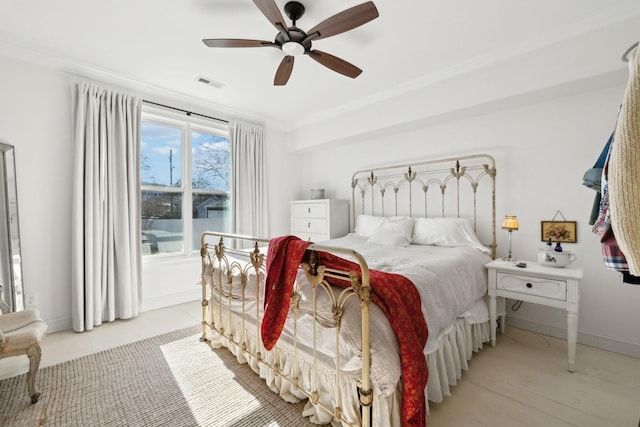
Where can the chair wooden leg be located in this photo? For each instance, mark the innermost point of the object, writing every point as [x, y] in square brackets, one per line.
[35, 354]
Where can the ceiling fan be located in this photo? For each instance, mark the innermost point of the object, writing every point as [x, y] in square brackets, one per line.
[293, 41]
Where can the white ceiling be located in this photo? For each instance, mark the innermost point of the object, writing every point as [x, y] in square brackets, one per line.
[157, 43]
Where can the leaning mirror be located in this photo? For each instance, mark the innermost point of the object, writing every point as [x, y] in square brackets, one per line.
[10, 258]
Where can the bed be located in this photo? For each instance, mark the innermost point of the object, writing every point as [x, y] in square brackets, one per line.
[431, 223]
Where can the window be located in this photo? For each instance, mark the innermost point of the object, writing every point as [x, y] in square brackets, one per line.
[185, 172]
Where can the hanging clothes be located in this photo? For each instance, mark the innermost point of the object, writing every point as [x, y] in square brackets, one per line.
[593, 179]
[624, 172]
[602, 222]
[612, 255]
[603, 225]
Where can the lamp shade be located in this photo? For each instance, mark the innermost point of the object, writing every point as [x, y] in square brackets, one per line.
[510, 222]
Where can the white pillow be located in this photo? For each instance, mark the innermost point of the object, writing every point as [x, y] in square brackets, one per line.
[368, 225]
[395, 231]
[389, 238]
[450, 232]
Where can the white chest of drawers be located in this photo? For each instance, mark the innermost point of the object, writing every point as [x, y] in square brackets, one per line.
[319, 220]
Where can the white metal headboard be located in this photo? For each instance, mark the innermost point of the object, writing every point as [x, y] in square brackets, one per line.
[462, 187]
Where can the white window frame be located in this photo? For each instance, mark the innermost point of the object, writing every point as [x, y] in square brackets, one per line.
[187, 123]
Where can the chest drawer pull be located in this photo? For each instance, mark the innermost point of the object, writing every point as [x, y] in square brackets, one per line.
[529, 285]
[309, 210]
[309, 225]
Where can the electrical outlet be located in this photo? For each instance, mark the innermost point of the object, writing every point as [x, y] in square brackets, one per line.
[31, 300]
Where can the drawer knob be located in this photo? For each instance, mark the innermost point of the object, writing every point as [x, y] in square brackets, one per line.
[309, 225]
[529, 285]
[309, 210]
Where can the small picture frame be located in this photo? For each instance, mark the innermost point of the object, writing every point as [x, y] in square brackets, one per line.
[559, 231]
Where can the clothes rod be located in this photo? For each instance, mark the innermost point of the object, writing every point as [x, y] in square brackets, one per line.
[188, 113]
[625, 55]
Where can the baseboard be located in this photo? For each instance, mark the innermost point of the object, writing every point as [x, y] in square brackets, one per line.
[58, 325]
[169, 300]
[63, 324]
[604, 343]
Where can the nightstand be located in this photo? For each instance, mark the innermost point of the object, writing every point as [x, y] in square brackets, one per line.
[538, 284]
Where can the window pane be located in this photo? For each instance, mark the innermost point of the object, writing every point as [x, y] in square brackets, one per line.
[211, 162]
[160, 154]
[210, 168]
[210, 213]
[162, 224]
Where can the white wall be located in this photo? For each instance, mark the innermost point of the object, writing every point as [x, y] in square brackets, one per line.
[36, 117]
[542, 151]
[35, 106]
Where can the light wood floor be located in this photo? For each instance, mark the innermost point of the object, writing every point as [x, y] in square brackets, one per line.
[523, 381]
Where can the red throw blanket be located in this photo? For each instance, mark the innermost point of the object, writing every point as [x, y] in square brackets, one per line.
[394, 294]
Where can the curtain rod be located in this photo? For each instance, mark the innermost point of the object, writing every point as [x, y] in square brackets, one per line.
[188, 113]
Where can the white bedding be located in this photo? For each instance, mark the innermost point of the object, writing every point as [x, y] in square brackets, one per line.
[451, 282]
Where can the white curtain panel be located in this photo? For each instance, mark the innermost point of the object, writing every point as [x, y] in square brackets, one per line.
[106, 258]
[249, 183]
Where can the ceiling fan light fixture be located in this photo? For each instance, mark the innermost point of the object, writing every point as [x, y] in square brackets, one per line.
[292, 48]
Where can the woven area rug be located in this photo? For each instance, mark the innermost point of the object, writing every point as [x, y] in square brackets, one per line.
[168, 380]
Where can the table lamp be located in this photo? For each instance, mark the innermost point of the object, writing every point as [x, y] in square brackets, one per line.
[510, 223]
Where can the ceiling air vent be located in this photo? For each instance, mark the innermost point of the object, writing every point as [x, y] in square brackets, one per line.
[209, 82]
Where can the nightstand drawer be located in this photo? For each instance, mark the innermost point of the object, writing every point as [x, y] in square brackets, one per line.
[309, 225]
[539, 286]
[309, 210]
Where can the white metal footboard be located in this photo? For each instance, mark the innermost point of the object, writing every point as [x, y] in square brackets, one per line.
[234, 316]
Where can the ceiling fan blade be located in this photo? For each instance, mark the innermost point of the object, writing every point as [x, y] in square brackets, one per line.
[270, 10]
[236, 43]
[344, 21]
[284, 71]
[336, 64]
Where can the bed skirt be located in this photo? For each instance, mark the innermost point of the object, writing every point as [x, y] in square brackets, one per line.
[446, 364]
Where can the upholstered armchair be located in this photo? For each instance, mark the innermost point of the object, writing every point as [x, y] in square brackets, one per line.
[21, 333]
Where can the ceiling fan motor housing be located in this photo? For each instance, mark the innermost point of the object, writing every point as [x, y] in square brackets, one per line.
[297, 38]
[295, 45]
